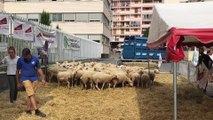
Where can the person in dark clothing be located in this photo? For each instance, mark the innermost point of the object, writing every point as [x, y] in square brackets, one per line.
[204, 69]
[11, 61]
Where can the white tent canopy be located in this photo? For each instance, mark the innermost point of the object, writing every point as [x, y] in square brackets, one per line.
[184, 15]
[175, 24]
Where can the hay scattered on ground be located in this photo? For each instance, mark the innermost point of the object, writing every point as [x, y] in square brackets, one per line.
[114, 104]
[153, 65]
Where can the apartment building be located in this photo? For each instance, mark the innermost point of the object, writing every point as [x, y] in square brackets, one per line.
[90, 19]
[131, 17]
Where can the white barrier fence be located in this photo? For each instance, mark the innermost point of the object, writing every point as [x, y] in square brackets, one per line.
[62, 46]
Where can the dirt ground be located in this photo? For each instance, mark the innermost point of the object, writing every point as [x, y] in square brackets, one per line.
[156, 103]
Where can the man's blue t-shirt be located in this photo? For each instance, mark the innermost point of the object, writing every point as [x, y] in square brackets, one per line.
[28, 68]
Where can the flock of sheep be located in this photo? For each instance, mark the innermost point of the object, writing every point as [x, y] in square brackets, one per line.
[100, 75]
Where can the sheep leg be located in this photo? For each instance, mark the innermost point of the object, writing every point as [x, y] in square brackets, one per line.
[68, 84]
[123, 84]
[137, 83]
[72, 84]
[109, 85]
[82, 85]
[91, 85]
[103, 86]
[115, 83]
[96, 85]
[58, 83]
[85, 85]
[142, 84]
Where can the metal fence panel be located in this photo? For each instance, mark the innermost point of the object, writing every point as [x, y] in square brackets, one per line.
[88, 48]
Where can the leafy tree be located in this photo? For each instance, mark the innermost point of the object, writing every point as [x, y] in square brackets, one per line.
[146, 32]
[45, 18]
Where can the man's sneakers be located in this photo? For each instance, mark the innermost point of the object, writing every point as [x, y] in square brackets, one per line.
[39, 113]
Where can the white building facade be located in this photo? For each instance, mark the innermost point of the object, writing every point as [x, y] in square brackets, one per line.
[88, 19]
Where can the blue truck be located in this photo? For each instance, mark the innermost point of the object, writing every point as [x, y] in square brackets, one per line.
[136, 48]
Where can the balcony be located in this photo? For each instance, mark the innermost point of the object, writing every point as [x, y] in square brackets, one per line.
[147, 12]
[120, 26]
[137, 5]
[146, 19]
[136, 19]
[145, 25]
[121, 5]
[122, 12]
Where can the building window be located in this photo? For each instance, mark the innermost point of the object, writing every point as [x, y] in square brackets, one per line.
[82, 17]
[147, 8]
[135, 23]
[127, 30]
[150, 1]
[56, 17]
[147, 17]
[95, 37]
[21, 0]
[96, 17]
[146, 22]
[22, 15]
[33, 20]
[135, 30]
[33, 17]
[125, 4]
[127, 16]
[144, 29]
[69, 17]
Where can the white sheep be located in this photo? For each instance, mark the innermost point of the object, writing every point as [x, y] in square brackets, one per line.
[101, 77]
[53, 70]
[145, 80]
[86, 77]
[64, 77]
[135, 76]
[151, 75]
[121, 78]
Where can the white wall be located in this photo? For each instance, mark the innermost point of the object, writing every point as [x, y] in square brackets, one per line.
[172, 1]
[80, 27]
[53, 7]
[1, 6]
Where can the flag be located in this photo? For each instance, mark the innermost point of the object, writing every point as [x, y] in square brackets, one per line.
[71, 42]
[42, 36]
[22, 30]
[4, 24]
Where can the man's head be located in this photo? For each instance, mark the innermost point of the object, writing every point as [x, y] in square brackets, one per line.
[26, 54]
[201, 50]
[11, 52]
[209, 52]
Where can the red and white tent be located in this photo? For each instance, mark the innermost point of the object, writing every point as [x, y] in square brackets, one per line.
[182, 24]
[176, 25]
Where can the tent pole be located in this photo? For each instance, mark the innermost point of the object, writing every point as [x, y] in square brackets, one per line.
[175, 87]
[148, 64]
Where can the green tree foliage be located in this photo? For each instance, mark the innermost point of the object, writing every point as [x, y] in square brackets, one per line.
[146, 32]
[45, 18]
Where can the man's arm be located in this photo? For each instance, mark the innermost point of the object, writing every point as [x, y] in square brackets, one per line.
[18, 77]
[40, 72]
[3, 61]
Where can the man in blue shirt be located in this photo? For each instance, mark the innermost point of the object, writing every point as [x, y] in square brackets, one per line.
[27, 68]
